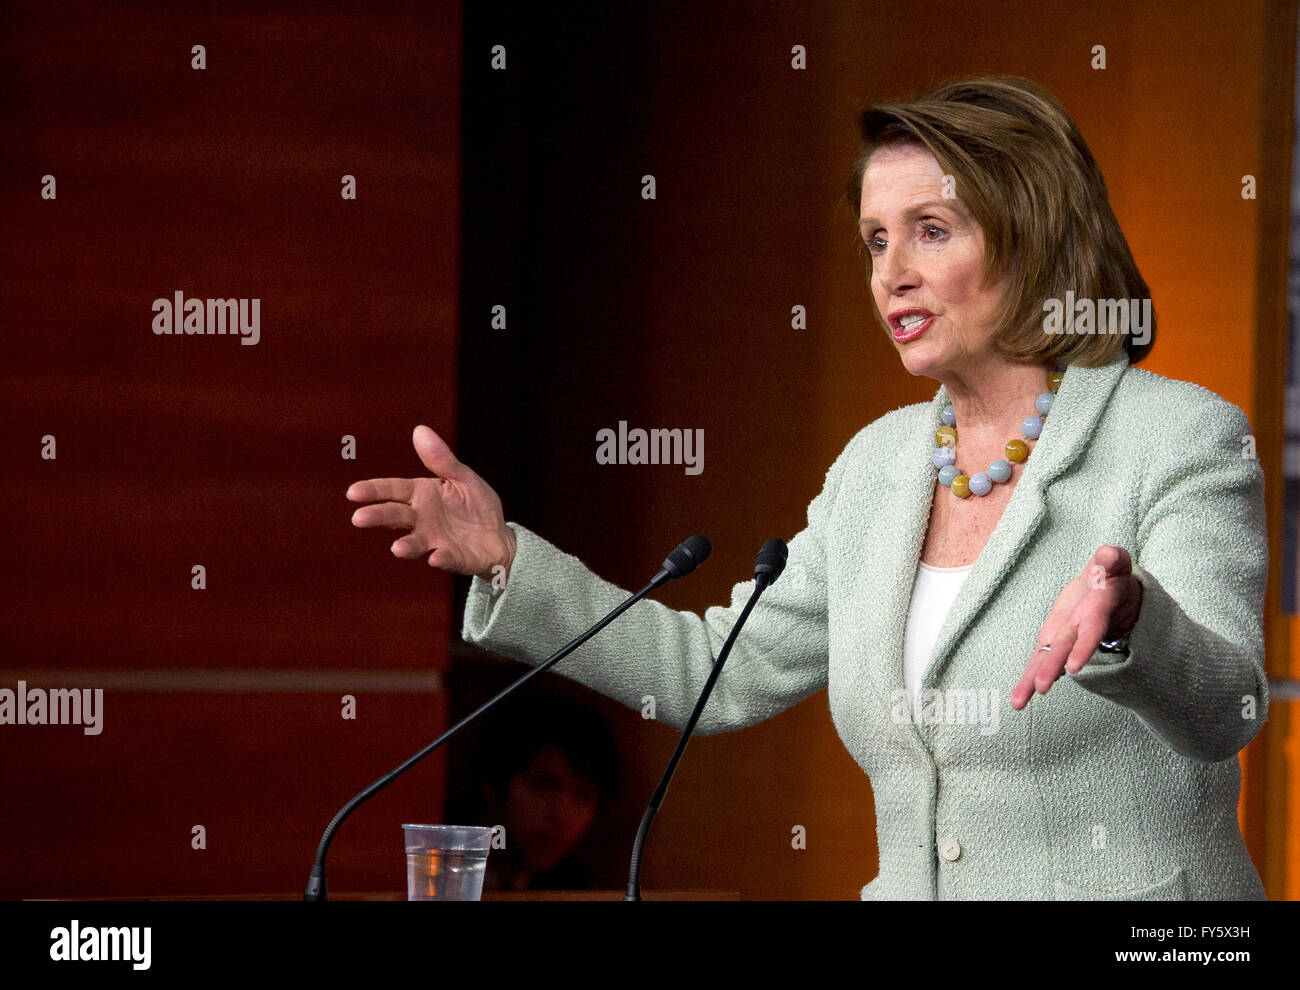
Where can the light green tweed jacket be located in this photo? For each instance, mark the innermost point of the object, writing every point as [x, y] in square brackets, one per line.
[1121, 783]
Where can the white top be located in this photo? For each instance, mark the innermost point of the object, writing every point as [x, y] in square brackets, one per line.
[933, 592]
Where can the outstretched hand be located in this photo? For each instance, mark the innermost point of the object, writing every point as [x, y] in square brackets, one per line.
[1101, 603]
[455, 517]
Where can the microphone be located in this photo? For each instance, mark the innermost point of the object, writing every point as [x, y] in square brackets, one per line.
[767, 568]
[688, 556]
[770, 563]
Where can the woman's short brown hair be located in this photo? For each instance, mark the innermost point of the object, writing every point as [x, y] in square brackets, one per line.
[1025, 173]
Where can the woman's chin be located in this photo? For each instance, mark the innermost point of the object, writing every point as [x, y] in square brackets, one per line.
[918, 361]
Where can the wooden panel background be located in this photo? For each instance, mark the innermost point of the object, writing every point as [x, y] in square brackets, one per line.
[175, 451]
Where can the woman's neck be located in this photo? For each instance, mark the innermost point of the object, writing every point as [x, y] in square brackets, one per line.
[990, 402]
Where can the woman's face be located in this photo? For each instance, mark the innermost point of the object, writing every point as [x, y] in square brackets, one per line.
[927, 256]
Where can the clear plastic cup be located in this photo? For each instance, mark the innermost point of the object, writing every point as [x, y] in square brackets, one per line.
[446, 862]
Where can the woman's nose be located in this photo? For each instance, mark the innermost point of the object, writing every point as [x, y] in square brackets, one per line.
[895, 271]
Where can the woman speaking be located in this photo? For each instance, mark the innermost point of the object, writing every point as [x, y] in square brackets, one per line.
[1036, 600]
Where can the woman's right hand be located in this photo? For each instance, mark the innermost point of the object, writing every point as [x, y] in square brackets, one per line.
[454, 517]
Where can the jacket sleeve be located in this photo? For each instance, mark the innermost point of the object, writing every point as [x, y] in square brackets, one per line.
[1195, 670]
[652, 651]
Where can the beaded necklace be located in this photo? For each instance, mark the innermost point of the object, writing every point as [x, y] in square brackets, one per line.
[963, 485]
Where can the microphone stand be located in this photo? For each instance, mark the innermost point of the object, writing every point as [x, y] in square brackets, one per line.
[675, 566]
[768, 571]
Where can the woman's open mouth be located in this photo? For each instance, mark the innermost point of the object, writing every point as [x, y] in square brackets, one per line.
[908, 324]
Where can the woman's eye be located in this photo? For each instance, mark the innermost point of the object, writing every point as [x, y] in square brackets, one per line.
[930, 232]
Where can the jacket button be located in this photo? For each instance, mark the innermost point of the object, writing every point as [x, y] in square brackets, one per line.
[949, 849]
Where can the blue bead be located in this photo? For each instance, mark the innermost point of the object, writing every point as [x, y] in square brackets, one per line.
[944, 456]
[949, 415]
[980, 484]
[946, 474]
[1000, 471]
[1044, 403]
[1031, 427]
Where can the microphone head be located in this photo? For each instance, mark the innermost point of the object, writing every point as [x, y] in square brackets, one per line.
[771, 562]
[689, 555]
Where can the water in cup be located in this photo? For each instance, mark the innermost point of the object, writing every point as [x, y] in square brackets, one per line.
[446, 862]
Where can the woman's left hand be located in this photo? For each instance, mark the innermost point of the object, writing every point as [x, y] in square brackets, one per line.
[1101, 603]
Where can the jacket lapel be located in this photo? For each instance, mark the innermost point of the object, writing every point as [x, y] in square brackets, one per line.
[1083, 395]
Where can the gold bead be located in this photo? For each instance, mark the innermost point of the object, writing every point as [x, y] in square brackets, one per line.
[1054, 381]
[961, 486]
[945, 436]
[1017, 450]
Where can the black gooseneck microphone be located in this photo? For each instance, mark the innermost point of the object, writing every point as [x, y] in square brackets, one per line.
[688, 556]
[767, 568]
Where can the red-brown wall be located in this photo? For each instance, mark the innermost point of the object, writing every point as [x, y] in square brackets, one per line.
[222, 707]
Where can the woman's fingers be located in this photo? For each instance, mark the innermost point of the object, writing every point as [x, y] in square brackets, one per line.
[444, 559]
[455, 517]
[410, 547]
[1066, 602]
[436, 455]
[1076, 625]
[1073, 645]
[1023, 691]
[1052, 662]
[1118, 561]
[1056, 619]
[394, 515]
[1108, 563]
[1092, 627]
[381, 490]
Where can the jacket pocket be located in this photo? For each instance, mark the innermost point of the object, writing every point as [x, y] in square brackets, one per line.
[1171, 888]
